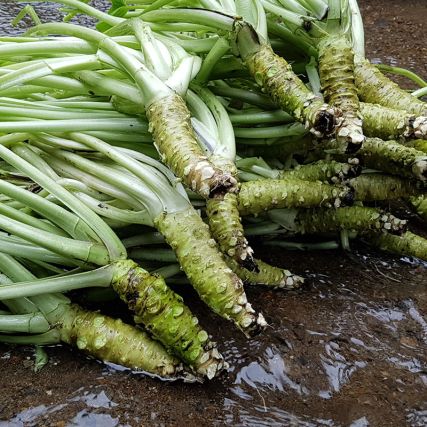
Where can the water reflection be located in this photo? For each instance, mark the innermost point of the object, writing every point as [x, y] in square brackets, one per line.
[322, 352]
[270, 416]
[89, 419]
[32, 416]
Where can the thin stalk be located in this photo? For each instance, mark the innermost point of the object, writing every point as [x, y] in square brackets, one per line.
[34, 323]
[85, 251]
[293, 129]
[25, 250]
[114, 247]
[220, 48]
[100, 277]
[402, 72]
[47, 67]
[260, 117]
[116, 125]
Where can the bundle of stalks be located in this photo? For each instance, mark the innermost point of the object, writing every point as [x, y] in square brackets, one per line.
[189, 126]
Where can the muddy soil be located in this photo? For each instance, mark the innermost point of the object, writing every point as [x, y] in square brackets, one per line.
[349, 349]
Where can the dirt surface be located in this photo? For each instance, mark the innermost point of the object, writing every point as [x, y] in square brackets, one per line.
[395, 33]
[349, 349]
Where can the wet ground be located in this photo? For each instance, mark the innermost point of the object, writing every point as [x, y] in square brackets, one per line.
[349, 349]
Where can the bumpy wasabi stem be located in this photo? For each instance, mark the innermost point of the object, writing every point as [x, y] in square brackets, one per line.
[112, 340]
[374, 87]
[418, 144]
[207, 271]
[225, 222]
[276, 77]
[168, 319]
[226, 227]
[354, 218]
[408, 244]
[375, 187]
[387, 123]
[176, 142]
[388, 156]
[420, 205]
[336, 71]
[325, 171]
[258, 196]
[268, 275]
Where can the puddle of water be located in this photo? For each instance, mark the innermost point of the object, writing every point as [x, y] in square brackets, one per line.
[263, 416]
[31, 417]
[90, 419]
[95, 400]
[417, 418]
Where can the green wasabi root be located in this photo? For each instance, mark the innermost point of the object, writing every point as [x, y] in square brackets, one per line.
[420, 205]
[276, 77]
[227, 229]
[166, 317]
[111, 340]
[377, 187]
[262, 195]
[177, 144]
[268, 275]
[325, 171]
[374, 87]
[206, 269]
[387, 123]
[408, 244]
[388, 156]
[336, 71]
[419, 144]
[354, 218]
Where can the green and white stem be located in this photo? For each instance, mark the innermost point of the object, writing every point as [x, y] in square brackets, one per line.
[182, 227]
[328, 41]
[273, 73]
[167, 113]
[161, 311]
[221, 209]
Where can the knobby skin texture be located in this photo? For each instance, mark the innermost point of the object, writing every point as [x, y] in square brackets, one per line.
[176, 142]
[262, 195]
[374, 87]
[373, 186]
[408, 244]
[206, 269]
[276, 77]
[387, 123]
[112, 340]
[164, 314]
[226, 227]
[324, 171]
[336, 70]
[267, 275]
[389, 156]
[355, 218]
